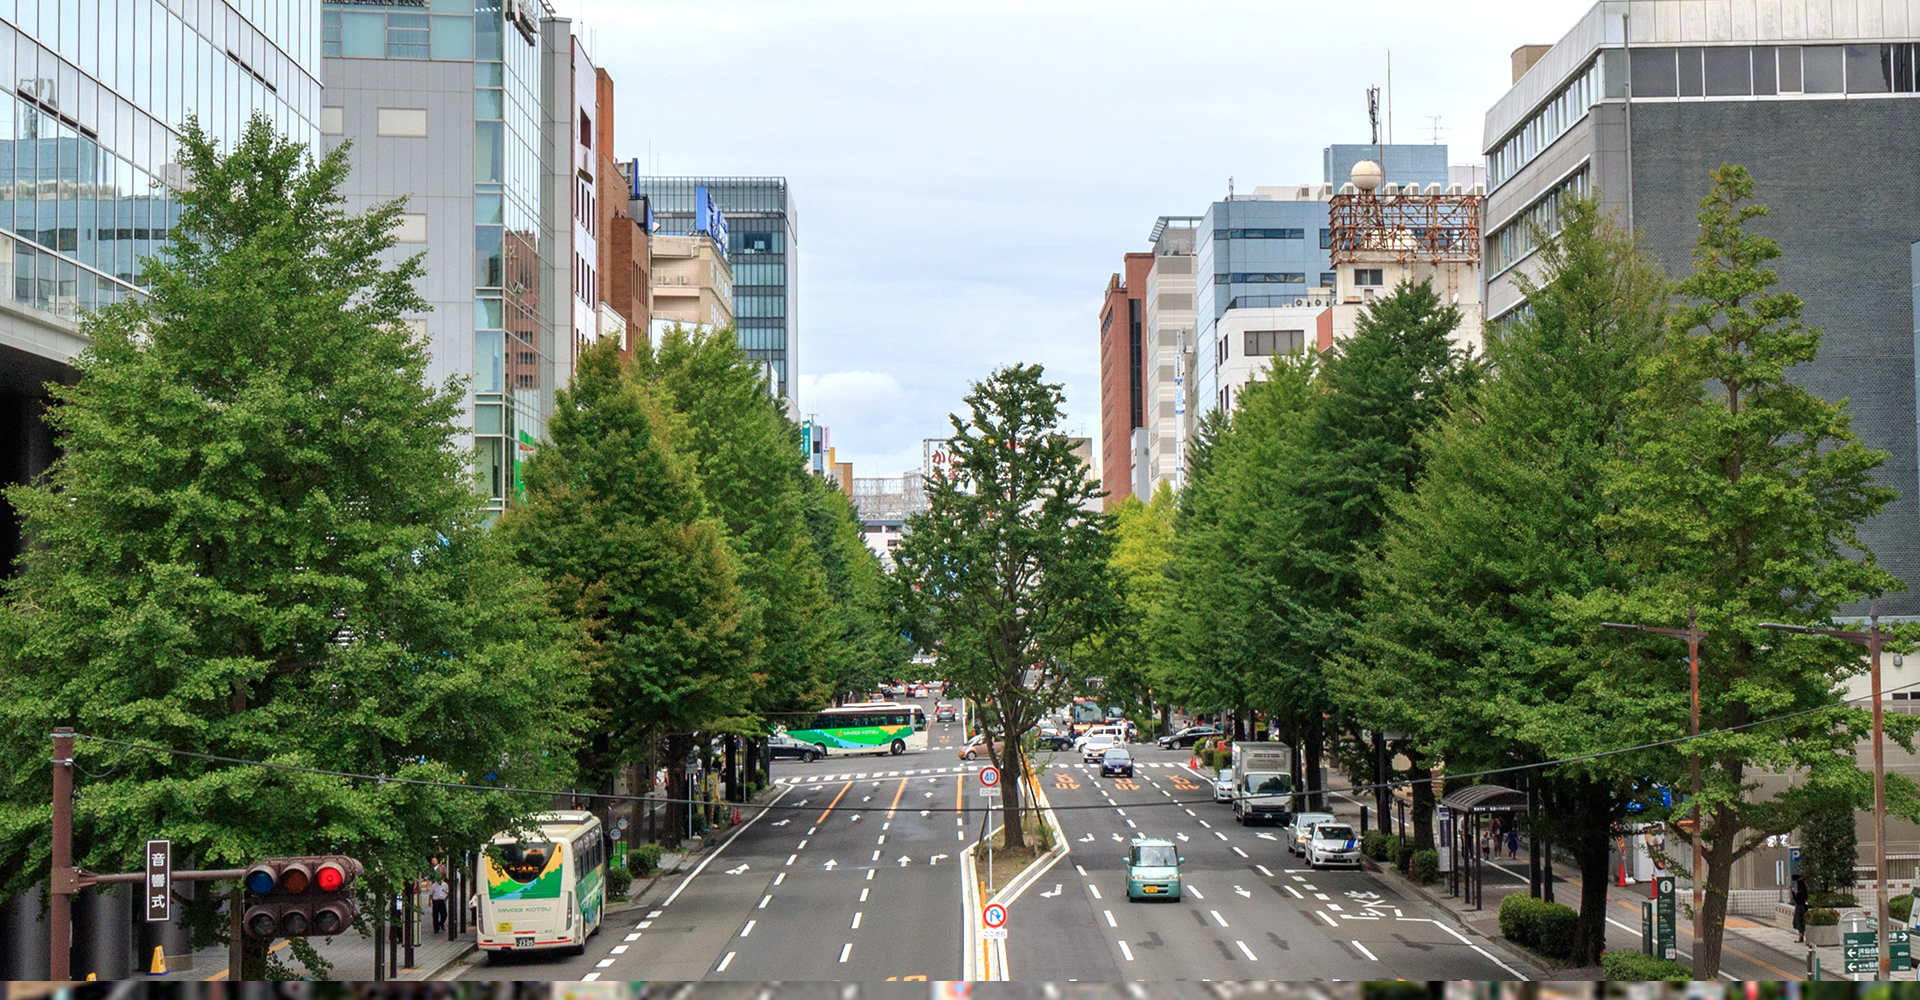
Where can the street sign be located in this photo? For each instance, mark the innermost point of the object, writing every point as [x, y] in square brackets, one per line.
[159, 881]
[1647, 923]
[990, 792]
[994, 915]
[994, 934]
[1862, 951]
[614, 834]
[989, 776]
[1793, 861]
[1665, 926]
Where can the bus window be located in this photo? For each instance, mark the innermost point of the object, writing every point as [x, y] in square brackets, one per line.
[919, 720]
[524, 862]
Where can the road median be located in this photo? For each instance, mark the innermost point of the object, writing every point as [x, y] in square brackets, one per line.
[986, 958]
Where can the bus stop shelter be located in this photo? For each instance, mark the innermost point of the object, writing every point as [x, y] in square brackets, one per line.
[1470, 808]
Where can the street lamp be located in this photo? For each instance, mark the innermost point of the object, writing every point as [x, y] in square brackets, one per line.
[1693, 633]
[1873, 638]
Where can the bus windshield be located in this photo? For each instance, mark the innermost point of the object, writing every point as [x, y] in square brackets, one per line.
[524, 862]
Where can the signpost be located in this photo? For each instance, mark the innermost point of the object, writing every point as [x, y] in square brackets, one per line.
[990, 786]
[989, 776]
[994, 915]
[1862, 950]
[159, 881]
[1664, 915]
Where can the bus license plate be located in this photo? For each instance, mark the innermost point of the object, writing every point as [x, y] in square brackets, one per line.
[523, 942]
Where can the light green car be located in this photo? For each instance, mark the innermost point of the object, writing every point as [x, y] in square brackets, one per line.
[1153, 870]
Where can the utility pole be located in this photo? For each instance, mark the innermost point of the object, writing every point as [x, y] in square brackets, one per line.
[1873, 638]
[65, 879]
[1693, 634]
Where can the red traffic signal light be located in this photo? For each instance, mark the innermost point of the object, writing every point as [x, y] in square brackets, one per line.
[295, 897]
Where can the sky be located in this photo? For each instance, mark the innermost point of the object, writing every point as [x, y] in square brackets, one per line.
[968, 173]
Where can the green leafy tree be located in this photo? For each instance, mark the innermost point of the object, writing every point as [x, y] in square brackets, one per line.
[617, 523]
[1383, 388]
[1470, 637]
[261, 543]
[1142, 550]
[1743, 493]
[1196, 662]
[1829, 845]
[1007, 574]
[865, 647]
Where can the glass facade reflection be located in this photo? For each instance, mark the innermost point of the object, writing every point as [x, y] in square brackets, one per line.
[88, 132]
[762, 223]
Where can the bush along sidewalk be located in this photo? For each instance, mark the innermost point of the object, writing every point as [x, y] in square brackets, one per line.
[1543, 927]
[1634, 966]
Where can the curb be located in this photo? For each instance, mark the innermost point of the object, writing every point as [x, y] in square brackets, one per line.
[434, 975]
[1520, 960]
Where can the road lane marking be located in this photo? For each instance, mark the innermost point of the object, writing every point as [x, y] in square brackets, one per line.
[1110, 920]
[764, 900]
[863, 894]
[1082, 871]
[603, 963]
[856, 920]
[1264, 871]
[1322, 914]
[618, 949]
[1131, 824]
[1124, 950]
[1196, 892]
[1093, 889]
[902, 790]
[1319, 895]
[882, 840]
[1244, 950]
[1489, 957]
[802, 846]
[1240, 852]
[1222, 836]
[782, 877]
[744, 931]
[845, 951]
[1190, 812]
[835, 802]
[643, 925]
[1206, 824]
[790, 858]
[590, 977]
[869, 874]
[1363, 950]
[722, 967]
[1222, 921]
[1296, 892]
[1335, 907]
[632, 937]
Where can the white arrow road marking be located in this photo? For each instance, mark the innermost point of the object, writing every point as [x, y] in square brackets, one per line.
[1116, 838]
[929, 795]
[904, 860]
[1244, 892]
[831, 864]
[866, 798]
[1056, 891]
[736, 871]
[1088, 839]
[935, 859]
[923, 814]
[1181, 837]
[783, 822]
[1266, 836]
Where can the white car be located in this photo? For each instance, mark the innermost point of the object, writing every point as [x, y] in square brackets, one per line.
[1333, 844]
[1223, 786]
[1302, 828]
[1093, 748]
[1117, 733]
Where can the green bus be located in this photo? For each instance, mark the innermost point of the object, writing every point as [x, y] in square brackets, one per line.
[874, 727]
[545, 893]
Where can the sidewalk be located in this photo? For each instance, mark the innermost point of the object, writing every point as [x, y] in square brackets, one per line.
[1752, 949]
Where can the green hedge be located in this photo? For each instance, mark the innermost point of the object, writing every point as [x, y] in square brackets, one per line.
[1535, 923]
[1901, 908]
[644, 859]
[1377, 845]
[1425, 868]
[619, 880]
[1837, 900]
[1403, 852]
[1822, 917]
[1634, 966]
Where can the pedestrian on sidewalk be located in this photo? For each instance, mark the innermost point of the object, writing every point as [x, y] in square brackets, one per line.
[1799, 896]
[1513, 844]
[437, 893]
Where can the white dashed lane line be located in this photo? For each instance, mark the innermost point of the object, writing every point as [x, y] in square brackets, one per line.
[1124, 950]
[722, 967]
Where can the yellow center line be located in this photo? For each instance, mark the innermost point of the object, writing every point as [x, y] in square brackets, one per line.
[835, 802]
[902, 790]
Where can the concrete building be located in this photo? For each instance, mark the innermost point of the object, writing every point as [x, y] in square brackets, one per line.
[454, 112]
[625, 251]
[692, 283]
[1386, 235]
[762, 244]
[1819, 101]
[1122, 406]
[1167, 327]
[93, 95]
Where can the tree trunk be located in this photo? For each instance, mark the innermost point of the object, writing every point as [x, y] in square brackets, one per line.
[1316, 741]
[1382, 773]
[733, 770]
[678, 745]
[1422, 777]
[1713, 907]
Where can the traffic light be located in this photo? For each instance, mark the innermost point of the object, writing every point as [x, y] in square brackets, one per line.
[297, 897]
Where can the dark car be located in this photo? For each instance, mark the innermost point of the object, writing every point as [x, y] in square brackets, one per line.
[787, 748]
[1054, 741]
[1187, 737]
[1116, 762]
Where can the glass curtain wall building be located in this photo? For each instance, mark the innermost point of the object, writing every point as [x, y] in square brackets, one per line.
[89, 135]
[442, 102]
[762, 227]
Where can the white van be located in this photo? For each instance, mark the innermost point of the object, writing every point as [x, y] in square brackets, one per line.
[1118, 732]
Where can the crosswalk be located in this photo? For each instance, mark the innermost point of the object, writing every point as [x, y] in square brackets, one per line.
[1137, 763]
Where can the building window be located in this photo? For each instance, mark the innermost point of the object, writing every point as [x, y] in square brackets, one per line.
[1326, 239]
[411, 228]
[406, 122]
[1267, 343]
[1259, 234]
[586, 130]
[1261, 278]
[1369, 277]
[407, 36]
[1327, 279]
[1562, 112]
[333, 121]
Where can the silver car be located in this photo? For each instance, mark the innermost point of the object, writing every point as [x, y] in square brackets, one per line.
[1223, 786]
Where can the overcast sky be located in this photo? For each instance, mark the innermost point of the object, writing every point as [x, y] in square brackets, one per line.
[968, 173]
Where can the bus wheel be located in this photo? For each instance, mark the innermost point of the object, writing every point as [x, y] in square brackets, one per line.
[899, 747]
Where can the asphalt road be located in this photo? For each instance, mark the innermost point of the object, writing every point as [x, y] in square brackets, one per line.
[1003, 991]
[1251, 911]
[852, 875]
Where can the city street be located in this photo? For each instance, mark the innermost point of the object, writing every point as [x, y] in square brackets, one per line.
[852, 875]
[1250, 910]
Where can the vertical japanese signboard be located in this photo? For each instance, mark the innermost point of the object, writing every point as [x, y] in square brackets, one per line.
[159, 881]
[1664, 917]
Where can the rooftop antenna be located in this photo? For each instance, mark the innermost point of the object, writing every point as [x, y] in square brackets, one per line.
[1229, 189]
[1373, 118]
[1434, 128]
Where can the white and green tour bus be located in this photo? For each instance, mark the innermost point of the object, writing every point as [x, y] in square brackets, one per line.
[546, 890]
[873, 727]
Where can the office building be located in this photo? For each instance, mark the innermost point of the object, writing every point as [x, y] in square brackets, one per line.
[626, 252]
[761, 243]
[1167, 326]
[1122, 404]
[1386, 235]
[1818, 100]
[692, 283]
[451, 111]
[94, 94]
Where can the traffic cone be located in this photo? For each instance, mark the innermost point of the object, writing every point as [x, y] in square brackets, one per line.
[1623, 872]
[159, 966]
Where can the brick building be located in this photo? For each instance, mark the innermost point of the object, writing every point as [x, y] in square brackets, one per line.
[1122, 378]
